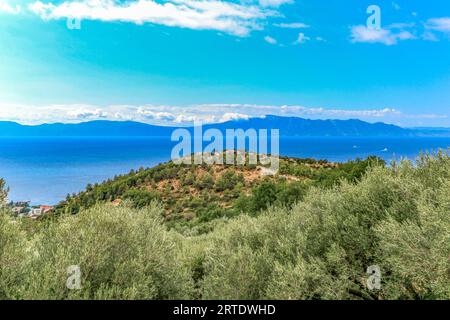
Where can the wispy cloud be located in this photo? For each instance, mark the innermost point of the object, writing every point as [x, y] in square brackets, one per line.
[396, 32]
[396, 6]
[429, 36]
[439, 24]
[186, 115]
[401, 25]
[274, 3]
[160, 114]
[388, 36]
[6, 7]
[301, 38]
[225, 16]
[292, 25]
[270, 40]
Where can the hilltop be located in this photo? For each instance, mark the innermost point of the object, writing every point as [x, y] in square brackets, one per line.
[197, 195]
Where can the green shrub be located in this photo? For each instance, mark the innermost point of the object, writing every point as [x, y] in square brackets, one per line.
[396, 218]
[228, 181]
[204, 182]
[269, 193]
[141, 198]
[13, 256]
[122, 254]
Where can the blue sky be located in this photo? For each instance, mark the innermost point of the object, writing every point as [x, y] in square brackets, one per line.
[176, 61]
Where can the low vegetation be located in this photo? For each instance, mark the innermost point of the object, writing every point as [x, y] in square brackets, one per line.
[195, 196]
[308, 238]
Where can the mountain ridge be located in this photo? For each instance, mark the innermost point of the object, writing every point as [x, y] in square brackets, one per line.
[289, 126]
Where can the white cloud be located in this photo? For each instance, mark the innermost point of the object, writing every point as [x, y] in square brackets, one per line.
[274, 3]
[6, 7]
[153, 115]
[429, 36]
[292, 25]
[186, 115]
[401, 25]
[439, 24]
[234, 116]
[396, 6]
[270, 40]
[396, 32]
[87, 113]
[225, 16]
[386, 36]
[302, 38]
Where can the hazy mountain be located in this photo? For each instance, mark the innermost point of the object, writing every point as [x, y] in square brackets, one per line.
[432, 131]
[289, 126]
[293, 126]
[91, 128]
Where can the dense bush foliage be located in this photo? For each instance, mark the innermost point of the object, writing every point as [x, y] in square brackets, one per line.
[12, 257]
[396, 218]
[324, 174]
[269, 193]
[228, 181]
[140, 198]
[122, 253]
[3, 192]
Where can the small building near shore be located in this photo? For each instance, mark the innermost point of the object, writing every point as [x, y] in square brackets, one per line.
[45, 208]
[38, 211]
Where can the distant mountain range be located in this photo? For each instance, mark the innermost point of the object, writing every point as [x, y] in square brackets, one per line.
[289, 126]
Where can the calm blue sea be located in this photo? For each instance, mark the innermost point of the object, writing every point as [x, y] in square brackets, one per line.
[45, 170]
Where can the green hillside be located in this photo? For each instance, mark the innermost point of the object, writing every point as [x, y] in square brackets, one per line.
[350, 219]
[193, 196]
